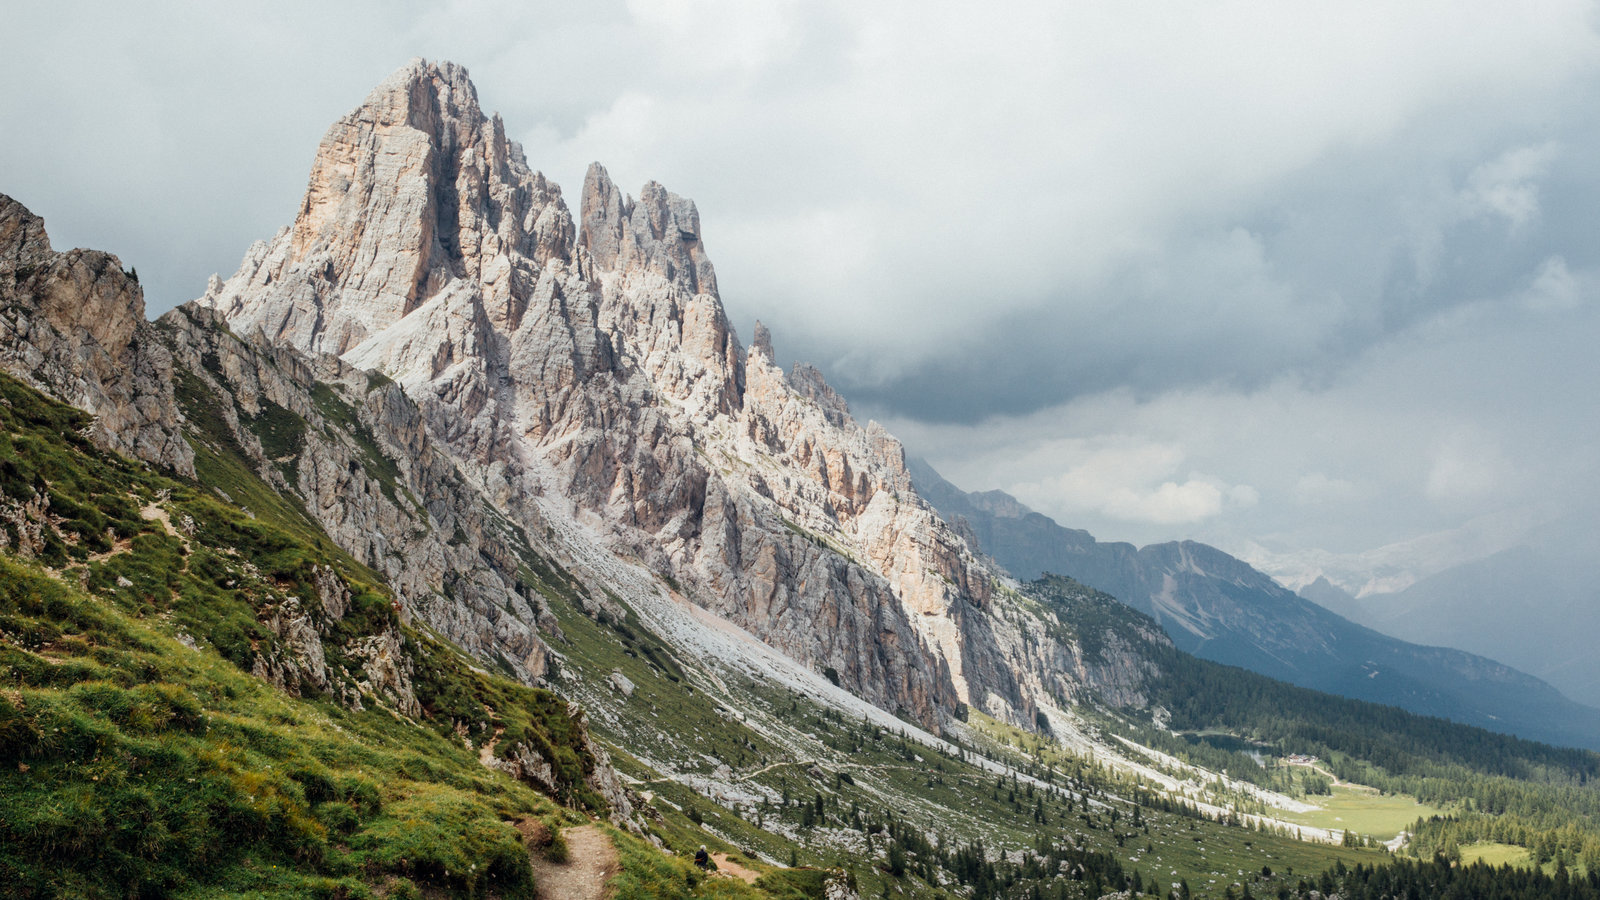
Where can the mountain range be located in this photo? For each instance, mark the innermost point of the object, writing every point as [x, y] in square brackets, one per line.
[453, 506]
[1220, 608]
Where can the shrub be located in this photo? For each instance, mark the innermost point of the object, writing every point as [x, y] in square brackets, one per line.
[556, 851]
[337, 817]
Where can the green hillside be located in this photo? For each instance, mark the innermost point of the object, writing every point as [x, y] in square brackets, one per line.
[138, 756]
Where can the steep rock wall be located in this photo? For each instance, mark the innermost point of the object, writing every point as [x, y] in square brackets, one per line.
[589, 371]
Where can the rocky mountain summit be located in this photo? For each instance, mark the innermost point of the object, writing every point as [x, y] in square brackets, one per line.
[466, 385]
[585, 374]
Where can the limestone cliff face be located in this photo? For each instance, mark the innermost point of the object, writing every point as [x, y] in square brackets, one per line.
[534, 373]
[589, 373]
[73, 326]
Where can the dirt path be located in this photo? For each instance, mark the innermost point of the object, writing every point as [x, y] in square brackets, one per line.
[486, 752]
[591, 861]
[726, 866]
[153, 512]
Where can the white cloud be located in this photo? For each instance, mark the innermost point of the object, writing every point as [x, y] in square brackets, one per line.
[711, 37]
[1555, 288]
[923, 168]
[1317, 489]
[1508, 186]
[920, 168]
[1108, 479]
[1243, 496]
[1467, 468]
[1117, 477]
[1429, 429]
[1169, 504]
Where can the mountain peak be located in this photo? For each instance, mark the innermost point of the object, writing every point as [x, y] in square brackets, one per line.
[761, 339]
[411, 192]
[589, 373]
[415, 94]
[658, 234]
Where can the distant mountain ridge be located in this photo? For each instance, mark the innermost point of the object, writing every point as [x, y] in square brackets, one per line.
[1478, 606]
[1220, 608]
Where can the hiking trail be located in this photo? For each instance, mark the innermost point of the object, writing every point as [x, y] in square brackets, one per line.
[591, 861]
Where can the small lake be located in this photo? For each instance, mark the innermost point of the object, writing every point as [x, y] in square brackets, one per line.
[1256, 750]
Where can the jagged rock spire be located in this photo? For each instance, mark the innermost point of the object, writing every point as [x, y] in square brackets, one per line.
[23, 241]
[658, 233]
[761, 339]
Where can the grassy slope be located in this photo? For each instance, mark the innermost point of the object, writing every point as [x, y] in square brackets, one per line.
[132, 763]
[135, 764]
[777, 742]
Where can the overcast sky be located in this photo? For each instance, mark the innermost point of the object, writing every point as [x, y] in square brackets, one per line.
[1294, 279]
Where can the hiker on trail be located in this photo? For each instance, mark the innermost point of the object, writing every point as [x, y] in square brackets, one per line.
[701, 857]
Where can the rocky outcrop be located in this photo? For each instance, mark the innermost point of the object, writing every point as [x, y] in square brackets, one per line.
[657, 235]
[524, 762]
[310, 655]
[387, 669]
[604, 780]
[23, 523]
[837, 884]
[297, 663]
[588, 374]
[620, 683]
[356, 451]
[72, 324]
[23, 241]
